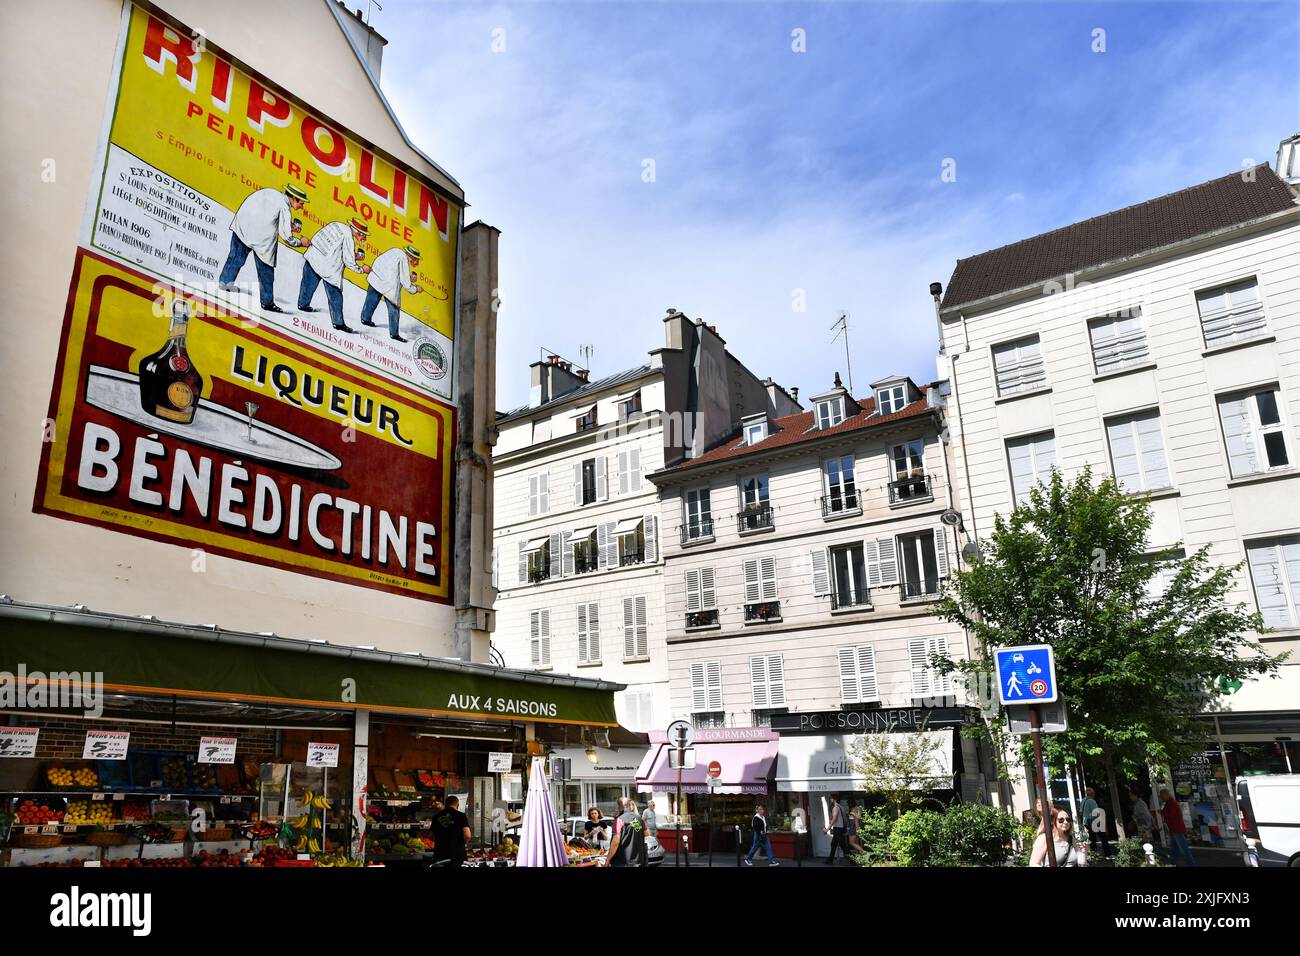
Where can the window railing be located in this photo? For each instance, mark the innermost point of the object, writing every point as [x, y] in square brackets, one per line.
[763, 611]
[631, 556]
[754, 518]
[700, 530]
[920, 590]
[538, 574]
[709, 718]
[763, 717]
[860, 599]
[840, 502]
[585, 563]
[916, 488]
[702, 618]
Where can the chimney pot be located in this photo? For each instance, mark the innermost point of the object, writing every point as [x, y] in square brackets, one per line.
[936, 289]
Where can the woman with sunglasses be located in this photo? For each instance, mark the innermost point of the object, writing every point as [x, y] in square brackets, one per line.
[1068, 853]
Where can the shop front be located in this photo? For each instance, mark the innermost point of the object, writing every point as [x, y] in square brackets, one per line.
[709, 813]
[598, 777]
[129, 742]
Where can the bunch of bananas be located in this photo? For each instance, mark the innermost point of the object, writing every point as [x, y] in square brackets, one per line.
[307, 844]
[337, 858]
[315, 801]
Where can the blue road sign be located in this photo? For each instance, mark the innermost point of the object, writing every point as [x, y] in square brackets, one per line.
[1026, 674]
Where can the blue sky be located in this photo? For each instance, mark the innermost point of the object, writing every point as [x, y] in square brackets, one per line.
[777, 171]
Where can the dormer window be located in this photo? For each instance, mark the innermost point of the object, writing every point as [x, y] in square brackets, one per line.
[830, 412]
[586, 419]
[754, 429]
[628, 405]
[891, 399]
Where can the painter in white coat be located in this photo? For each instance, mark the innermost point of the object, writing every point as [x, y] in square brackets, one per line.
[391, 273]
[333, 248]
[263, 219]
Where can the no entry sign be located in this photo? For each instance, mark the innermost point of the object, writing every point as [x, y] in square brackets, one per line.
[715, 769]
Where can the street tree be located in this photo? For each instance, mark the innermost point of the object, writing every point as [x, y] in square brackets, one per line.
[898, 768]
[1141, 640]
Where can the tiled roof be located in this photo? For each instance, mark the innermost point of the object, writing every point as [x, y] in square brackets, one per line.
[1186, 214]
[592, 388]
[796, 429]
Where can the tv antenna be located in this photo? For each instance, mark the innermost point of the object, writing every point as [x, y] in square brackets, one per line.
[585, 352]
[841, 327]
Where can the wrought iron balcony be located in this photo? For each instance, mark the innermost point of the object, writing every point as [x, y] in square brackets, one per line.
[701, 530]
[916, 488]
[841, 601]
[841, 502]
[924, 590]
[630, 557]
[702, 618]
[756, 518]
[763, 611]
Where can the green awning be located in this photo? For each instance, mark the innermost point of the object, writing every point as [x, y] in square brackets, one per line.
[296, 673]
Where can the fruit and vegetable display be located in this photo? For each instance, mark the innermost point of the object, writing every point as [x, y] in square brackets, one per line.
[399, 846]
[222, 858]
[308, 827]
[174, 773]
[134, 812]
[337, 858]
[205, 776]
[32, 814]
[82, 812]
[63, 777]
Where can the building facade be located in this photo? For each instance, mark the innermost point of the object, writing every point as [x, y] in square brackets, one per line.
[1161, 344]
[579, 540]
[802, 556]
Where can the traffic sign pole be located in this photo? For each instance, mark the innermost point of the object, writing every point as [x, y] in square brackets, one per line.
[1043, 796]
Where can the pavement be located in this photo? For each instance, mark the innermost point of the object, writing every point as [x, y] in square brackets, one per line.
[1210, 857]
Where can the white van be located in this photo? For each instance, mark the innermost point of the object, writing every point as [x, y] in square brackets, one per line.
[1270, 819]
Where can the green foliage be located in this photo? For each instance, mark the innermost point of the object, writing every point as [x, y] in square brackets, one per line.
[974, 834]
[873, 833]
[1026, 833]
[1130, 853]
[914, 837]
[897, 768]
[1071, 568]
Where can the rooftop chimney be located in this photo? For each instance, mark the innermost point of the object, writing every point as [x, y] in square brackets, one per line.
[554, 377]
[366, 37]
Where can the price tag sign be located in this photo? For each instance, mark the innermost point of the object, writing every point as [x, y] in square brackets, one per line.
[31, 829]
[97, 796]
[50, 828]
[70, 829]
[499, 762]
[18, 741]
[217, 749]
[119, 796]
[105, 745]
[322, 755]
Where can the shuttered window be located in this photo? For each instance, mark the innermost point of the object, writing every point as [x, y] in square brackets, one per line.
[858, 674]
[588, 633]
[700, 592]
[1137, 452]
[760, 580]
[706, 686]
[926, 680]
[881, 555]
[629, 471]
[1253, 432]
[1118, 342]
[1275, 574]
[539, 494]
[539, 638]
[767, 680]
[635, 638]
[1018, 366]
[1231, 313]
[1031, 460]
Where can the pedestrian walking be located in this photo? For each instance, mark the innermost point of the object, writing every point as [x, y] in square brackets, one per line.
[761, 837]
[836, 829]
[451, 834]
[1143, 823]
[650, 819]
[261, 221]
[628, 847]
[855, 824]
[1093, 820]
[1171, 811]
[1068, 852]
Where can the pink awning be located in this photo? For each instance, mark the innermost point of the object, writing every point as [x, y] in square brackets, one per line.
[746, 767]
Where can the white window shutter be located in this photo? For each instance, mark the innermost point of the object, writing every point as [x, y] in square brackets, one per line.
[523, 560]
[582, 633]
[753, 588]
[848, 660]
[546, 638]
[533, 500]
[938, 680]
[651, 525]
[713, 675]
[941, 551]
[920, 667]
[693, 589]
[758, 681]
[821, 573]
[629, 627]
[867, 673]
[775, 680]
[534, 638]
[555, 556]
[1268, 564]
[708, 594]
[642, 630]
[1239, 434]
[544, 490]
[567, 567]
[577, 482]
[634, 470]
[623, 477]
[768, 568]
[888, 556]
[593, 631]
[699, 689]
[871, 557]
[602, 478]
[607, 545]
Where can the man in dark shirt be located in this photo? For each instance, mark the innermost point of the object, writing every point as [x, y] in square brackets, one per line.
[450, 833]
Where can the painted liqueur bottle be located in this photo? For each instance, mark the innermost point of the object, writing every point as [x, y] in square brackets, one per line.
[170, 385]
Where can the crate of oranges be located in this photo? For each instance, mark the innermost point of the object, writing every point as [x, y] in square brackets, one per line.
[67, 777]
